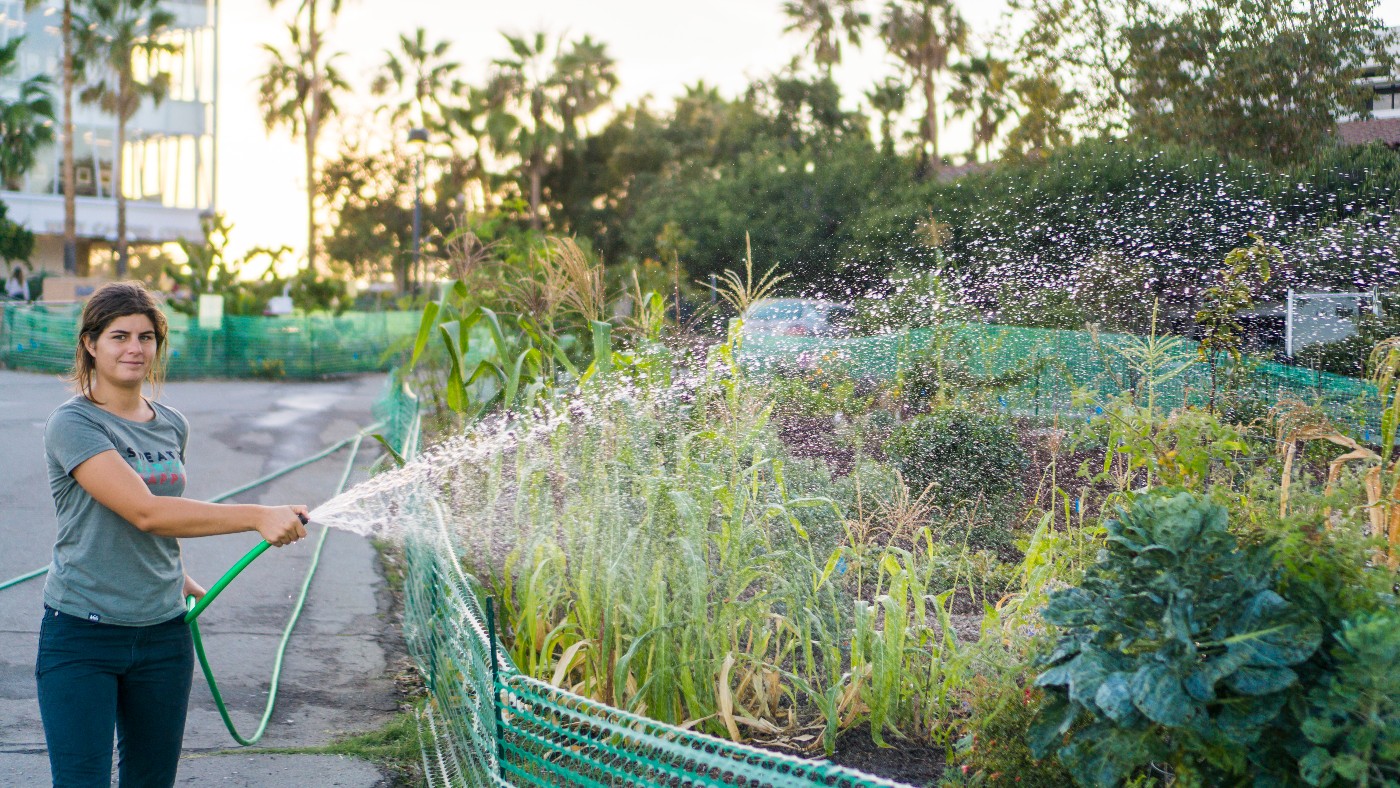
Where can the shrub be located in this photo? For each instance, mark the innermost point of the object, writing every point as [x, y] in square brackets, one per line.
[967, 456]
[994, 750]
[1354, 715]
[1175, 649]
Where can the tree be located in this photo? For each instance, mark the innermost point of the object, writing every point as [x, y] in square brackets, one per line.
[519, 85]
[1259, 78]
[584, 78]
[423, 79]
[25, 120]
[982, 88]
[25, 126]
[112, 35]
[823, 22]
[1070, 47]
[922, 35]
[370, 196]
[1043, 123]
[206, 269]
[888, 99]
[298, 91]
[71, 66]
[536, 102]
[1262, 78]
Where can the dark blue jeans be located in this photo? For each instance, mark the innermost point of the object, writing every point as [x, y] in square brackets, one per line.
[94, 678]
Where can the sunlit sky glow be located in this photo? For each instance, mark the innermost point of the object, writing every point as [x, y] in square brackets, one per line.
[659, 46]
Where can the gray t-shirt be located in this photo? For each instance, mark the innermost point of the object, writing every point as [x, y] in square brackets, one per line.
[104, 568]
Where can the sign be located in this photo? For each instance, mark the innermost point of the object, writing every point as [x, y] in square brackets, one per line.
[279, 305]
[211, 312]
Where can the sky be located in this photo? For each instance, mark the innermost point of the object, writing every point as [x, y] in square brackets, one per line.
[659, 45]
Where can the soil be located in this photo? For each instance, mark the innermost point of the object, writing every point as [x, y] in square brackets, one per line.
[906, 762]
[814, 437]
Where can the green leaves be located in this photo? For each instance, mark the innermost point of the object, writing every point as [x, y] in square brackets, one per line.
[1175, 647]
[1353, 720]
[1157, 691]
[508, 361]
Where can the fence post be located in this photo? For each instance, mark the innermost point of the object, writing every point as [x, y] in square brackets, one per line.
[495, 686]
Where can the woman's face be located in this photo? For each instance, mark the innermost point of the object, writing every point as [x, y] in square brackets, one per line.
[124, 351]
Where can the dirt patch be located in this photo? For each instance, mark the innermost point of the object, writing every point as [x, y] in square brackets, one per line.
[815, 437]
[906, 762]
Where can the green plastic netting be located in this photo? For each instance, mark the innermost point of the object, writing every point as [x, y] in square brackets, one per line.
[1061, 364]
[41, 338]
[487, 724]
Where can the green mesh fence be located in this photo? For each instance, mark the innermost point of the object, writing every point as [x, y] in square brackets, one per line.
[488, 724]
[1061, 363]
[41, 338]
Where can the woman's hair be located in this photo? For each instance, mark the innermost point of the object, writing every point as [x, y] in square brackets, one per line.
[109, 302]
[18, 274]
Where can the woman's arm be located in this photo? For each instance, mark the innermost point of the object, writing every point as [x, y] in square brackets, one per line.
[113, 483]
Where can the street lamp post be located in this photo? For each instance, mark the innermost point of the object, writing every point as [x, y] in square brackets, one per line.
[418, 138]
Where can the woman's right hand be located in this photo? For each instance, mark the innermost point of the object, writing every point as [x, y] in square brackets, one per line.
[279, 526]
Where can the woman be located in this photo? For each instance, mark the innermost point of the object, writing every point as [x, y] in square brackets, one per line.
[15, 286]
[114, 651]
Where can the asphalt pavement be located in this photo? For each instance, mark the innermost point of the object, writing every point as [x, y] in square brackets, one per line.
[338, 674]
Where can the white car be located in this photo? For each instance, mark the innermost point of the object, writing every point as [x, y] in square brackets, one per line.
[798, 317]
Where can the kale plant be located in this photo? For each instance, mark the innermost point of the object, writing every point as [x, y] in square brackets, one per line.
[1354, 719]
[1175, 651]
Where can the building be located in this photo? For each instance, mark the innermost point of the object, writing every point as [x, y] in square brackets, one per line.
[1381, 120]
[169, 173]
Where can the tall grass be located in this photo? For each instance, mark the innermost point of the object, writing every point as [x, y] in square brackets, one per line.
[649, 552]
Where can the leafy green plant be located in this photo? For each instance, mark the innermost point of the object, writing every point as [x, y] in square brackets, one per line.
[1354, 716]
[1175, 649]
[994, 750]
[1143, 448]
[1219, 319]
[964, 455]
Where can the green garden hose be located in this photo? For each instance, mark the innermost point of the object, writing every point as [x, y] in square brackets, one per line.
[194, 609]
[14, 581]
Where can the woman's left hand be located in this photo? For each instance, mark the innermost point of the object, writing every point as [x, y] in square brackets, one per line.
[193, 589]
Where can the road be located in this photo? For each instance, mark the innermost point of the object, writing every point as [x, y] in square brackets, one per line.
[338, 674]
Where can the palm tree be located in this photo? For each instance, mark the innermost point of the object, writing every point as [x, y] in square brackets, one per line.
[521, 83]
[422, 77]
[471, 117]
[888, 99]
[26, 121]
[535, 103]
[298, 91]
[70, 206]
[111, 35]
[818, 20]
[70, 176]
[584, 78]
[983, 86]
[922, 35]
